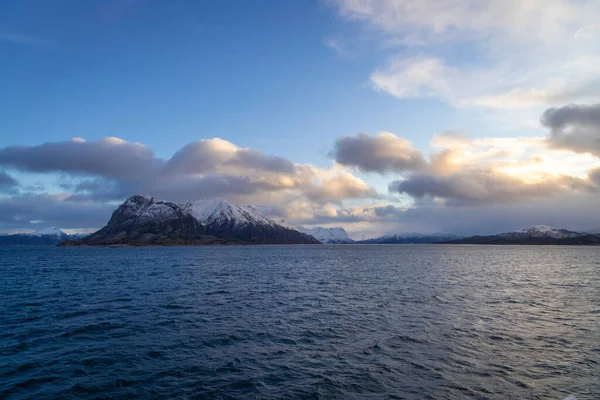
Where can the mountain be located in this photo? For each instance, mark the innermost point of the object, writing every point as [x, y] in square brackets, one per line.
[46, 236]
[143, 220]
[48, 231]
[335, 235]
[233, 222]
[410, 238]
[534, 235]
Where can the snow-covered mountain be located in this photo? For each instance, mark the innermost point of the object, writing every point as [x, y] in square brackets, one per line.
[230, 221]
[537, 234]
[48, 231]
[143, 220]
[336, 235]
[410, 238]
[209, 211]
[543, 231]
[45, 236]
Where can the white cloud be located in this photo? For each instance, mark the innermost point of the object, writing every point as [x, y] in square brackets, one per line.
[334, 45]
[487, 53]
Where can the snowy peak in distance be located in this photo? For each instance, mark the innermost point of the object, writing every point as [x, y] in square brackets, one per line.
[534, 235]
[544, 231]
[335, 235]
[411, 238]
[46, 236]
[48, 231]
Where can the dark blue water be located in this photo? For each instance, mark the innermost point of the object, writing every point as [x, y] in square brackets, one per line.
[434, 322]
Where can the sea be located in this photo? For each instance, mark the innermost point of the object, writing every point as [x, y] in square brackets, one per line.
[300, 322]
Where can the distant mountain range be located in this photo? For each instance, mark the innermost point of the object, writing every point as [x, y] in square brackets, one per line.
[410, 238]
[47, 236]
[145, 221]
[535, 235]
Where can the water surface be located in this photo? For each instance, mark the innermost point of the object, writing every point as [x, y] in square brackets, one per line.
[270, 322]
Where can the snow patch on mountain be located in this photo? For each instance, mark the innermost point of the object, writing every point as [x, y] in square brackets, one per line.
[544, 231]
[217, 210]
[145, 208]
[53, 231]
[327, 235]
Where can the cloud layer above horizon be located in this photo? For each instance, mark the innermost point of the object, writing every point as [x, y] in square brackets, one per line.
[460, 175]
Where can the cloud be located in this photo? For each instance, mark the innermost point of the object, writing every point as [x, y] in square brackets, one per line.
[112, 169]
[523, 54]
[7, 182]
[334, 45]
[210, 154]
[485, 187]
[447, 20]
[31, 211]
[574, 127]
[485, 174]
[382, 153]
[342, 185]
[109, 157]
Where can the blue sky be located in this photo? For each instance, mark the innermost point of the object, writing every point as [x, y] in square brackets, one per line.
[257, 74]
[289, 79]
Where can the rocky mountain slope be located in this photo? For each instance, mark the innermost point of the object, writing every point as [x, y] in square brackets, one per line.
[244, 223]
[534, 235]
[143, 220]
[334, 235]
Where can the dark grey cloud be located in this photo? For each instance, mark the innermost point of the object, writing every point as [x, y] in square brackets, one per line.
[7, 182]
[109, 157]
[31, 211]
[594, 176]
[382, 153]
[484, 187]
[574, 127]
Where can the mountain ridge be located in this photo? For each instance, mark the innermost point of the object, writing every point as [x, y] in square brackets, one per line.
[533, 235]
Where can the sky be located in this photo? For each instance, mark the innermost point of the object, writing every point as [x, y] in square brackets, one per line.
[380, 116]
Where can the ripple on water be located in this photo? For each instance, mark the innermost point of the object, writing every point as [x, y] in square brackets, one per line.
[351, 322]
